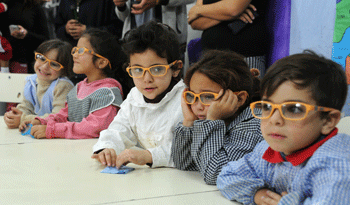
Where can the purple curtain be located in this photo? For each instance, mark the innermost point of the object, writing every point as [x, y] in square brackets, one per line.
[278, 22]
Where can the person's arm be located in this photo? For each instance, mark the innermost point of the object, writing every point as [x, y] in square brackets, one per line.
[27, 109]
[61, 116]
[59, 99]
[175, 3]
[329, 180]
[212, 148]
[120, 134]
[181, 148]
[89, 127]
[203, 23]
[123, 12]
[223, 10]
[240, 180]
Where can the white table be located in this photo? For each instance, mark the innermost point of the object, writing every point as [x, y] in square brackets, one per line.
[60, 171]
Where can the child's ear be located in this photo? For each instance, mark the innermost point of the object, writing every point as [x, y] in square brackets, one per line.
[102, 63]
[330, 121]
[179, 64]
[242, 97]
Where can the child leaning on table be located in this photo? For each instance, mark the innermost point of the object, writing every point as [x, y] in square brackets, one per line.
[303, 160]
[44, 92]
[218, 126]
[152, 109]
[93, 102]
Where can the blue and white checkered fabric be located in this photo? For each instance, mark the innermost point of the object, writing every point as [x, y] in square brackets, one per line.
[322, 180]
[209, 145]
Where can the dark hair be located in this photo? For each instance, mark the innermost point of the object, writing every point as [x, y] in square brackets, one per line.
[107, 45]
[229, 70]
[26, 3]
[155, 36]
[324, 78]
[64, 56]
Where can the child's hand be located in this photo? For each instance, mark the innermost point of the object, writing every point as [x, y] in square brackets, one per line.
[13, 118]
[189, 116]
[35, 122]
[23, 125]
[140, 157]
[106, 157]
[38, 131]
[223, 108]
[267, 197]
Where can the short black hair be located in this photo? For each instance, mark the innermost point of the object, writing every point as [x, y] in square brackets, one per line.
[158, 37]
[324, 78]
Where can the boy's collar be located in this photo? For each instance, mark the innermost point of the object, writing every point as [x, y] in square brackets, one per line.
[297, 157]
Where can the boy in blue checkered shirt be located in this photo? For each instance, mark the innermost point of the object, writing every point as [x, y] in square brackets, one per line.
[303, 159]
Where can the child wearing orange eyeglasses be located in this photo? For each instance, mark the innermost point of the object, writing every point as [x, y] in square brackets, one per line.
[218, 126]
[94, 102]
[303, 160]
[152, 109]
[46, 91]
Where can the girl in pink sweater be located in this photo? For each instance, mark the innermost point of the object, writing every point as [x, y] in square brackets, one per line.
[94, 102]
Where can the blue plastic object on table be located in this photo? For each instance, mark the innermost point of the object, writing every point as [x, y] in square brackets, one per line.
[115, 170]
[27, 130]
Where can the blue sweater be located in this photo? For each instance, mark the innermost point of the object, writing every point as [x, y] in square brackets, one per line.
[323, 179]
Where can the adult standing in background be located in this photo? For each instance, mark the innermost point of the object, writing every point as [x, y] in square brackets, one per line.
[75, 16]
[214, 17]
[134, 13]
[32, 31]
[50, 8]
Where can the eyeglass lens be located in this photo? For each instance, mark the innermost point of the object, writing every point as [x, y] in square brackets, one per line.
[289, 110]
[43, 59]
[205, 98]
[154, 70]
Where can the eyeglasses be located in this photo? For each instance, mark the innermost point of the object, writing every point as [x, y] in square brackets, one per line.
[82, 50]
[288, 110]
[156, 70]
[206, 98]
[54, 65]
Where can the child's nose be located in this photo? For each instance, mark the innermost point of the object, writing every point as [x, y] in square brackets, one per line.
[197, 104]
[276, 117]
[147, 76]
[45, 66]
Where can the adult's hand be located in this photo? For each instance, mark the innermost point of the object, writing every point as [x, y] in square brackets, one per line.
[78, 31]
[71, 25]
[21, 33]
[143, 6]
[247, 16]
[120, 3]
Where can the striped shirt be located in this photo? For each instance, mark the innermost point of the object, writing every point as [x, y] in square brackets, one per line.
[324, 179]
[209, 145]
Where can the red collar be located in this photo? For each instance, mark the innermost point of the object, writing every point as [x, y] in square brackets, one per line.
[298, 157]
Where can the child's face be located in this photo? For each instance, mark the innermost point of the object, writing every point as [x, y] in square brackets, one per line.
[43, 69]
[288, 136]
[149, 85]
[201, 83]
[83, 64]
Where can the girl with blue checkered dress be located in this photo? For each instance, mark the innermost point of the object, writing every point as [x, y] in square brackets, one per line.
[218, 126]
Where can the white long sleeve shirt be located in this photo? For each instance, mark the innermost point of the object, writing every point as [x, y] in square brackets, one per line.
[146, 125]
